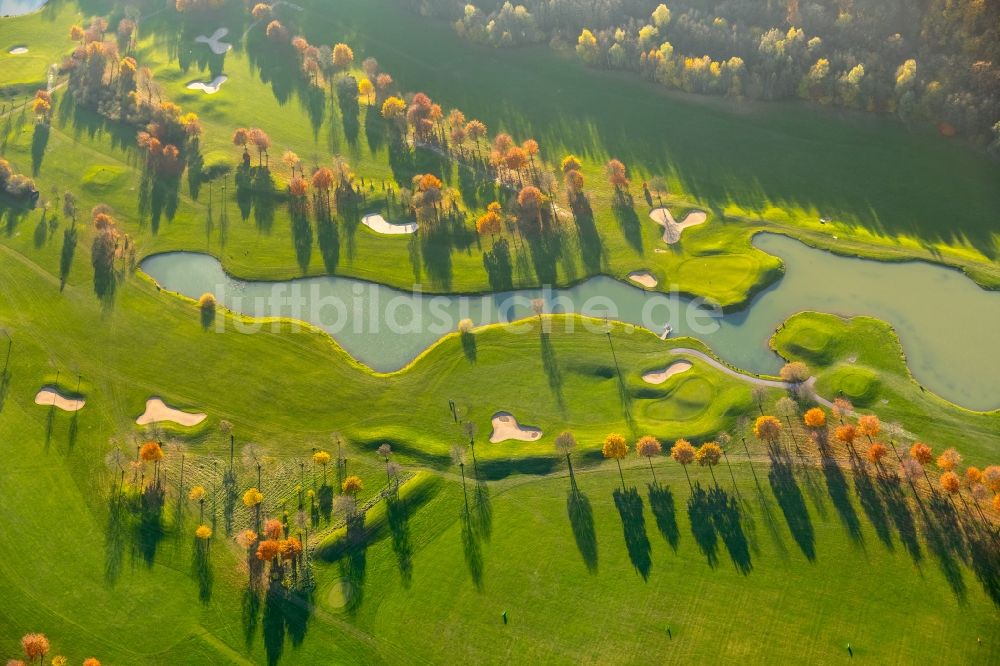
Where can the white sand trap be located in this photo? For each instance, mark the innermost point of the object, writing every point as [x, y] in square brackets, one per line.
[660, 376]
[505, 427]
[643, 279]
[209, 88]
[377, 223]
[671, 228]
[157, 411]
[18, 50]
[218, 47]
[49, 397]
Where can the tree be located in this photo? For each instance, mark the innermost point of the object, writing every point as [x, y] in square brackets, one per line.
[648, 446]
[322, 458]
[366, 89]
[869, 426]
[795, 372]
[565, 445]
[922, 454]
[788, 408]
[991, 478]
[683, 453]
[876, 451]
[949, 483]
[949, 460]
[617, 175]
[842, 408]
[587, 47]
[846, 434]
[35, 646]
[384, 451]
[815, 418]
[708, 455]
[767, 428]
[343, 56]
[261, 141]
[203, 532]
[352, 485]
[661, 16]
[616, 447]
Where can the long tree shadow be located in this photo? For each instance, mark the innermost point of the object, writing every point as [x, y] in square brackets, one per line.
[499, 270]
[899, 512]
[354, 563]
[581, 520]
[201, 567]
[39, 140]
[728, 523]
[66, 254]
[482, 513]
[329, 242]
[628, 220]
[473, 550]
[836, 484]
[399, 527]
[871, 503]
[629, 505]
[702, 526]
[302, 238]
[661, 502]
[793, 505]
[115, 536]
[591, 247]
[945, 543]
[552, 370]
[150, 530]
[469, 346]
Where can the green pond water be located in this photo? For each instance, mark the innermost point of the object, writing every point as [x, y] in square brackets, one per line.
[948, 325]
[19, 7]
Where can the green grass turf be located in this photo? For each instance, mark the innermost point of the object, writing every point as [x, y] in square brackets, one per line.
[81, 146]
[69, 571]
[288, 390]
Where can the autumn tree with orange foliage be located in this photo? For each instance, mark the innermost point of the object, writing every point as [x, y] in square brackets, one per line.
[922, 455]
[616, 447]
[35, 646]
[683, 453]
[647, 447]
[708, 455]
[767, 428]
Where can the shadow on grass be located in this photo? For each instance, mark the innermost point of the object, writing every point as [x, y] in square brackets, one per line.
[630, 509]
[898, 510]
[472, 548]
[201, 567]
[791, 501]
[871, 503]
[661, 502]
[552, 371]
[398, 513]
[469, 346]
[286, 613]
[581, 519]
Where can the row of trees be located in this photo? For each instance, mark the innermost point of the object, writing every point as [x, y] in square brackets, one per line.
[939, 61]
[864, 440]
[36, 647]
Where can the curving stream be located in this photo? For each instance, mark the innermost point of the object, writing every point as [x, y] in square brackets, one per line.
[947, 324]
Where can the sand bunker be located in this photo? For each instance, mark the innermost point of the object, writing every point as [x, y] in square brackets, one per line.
[157, 411]
[643, 279]
[377, 223]
[672, 229]
[50, 397]
[18, 50]
[505, 427]
[218, 47]
[209, 88]
[660, 376]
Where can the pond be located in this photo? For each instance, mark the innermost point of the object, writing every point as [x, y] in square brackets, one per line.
[946, 323]
[19, 7]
